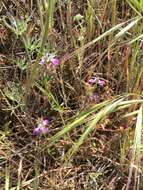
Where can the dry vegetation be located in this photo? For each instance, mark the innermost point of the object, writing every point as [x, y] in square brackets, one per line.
[95, 128]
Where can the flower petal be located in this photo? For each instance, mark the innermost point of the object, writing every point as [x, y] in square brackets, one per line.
[43, 130]
[101, 82]
[36, 131]
[42, 60]
[92, 80]
[55, 61]
[45, 122]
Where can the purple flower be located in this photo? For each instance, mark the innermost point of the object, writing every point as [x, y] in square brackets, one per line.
[40, 129]
[43, 130]
[92, 80]
[36, 131]
[55, 61]
[94, 97]
[101, 82]
[42, 60]
[47, 57]
[96, 80]
[45, 122]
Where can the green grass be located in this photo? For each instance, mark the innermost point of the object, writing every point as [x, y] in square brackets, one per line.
[94, 138]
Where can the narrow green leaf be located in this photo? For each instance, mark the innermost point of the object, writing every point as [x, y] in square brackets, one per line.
[78, 121]
[105, 111]
[125, 29]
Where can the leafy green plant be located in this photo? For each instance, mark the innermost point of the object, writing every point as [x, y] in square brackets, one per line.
[32, 44]
[22, 63]
[14, 94]
[18, 26]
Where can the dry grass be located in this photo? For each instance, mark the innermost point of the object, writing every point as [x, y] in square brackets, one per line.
[77, 35]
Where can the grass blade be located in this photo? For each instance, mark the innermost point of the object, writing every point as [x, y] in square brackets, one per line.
[136, 152]
[78, 121]
[7, 178]
[108, 109]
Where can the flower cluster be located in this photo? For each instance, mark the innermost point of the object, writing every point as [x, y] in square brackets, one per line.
[41, 128]
[93, 98]
[53, 60]
[94, 80]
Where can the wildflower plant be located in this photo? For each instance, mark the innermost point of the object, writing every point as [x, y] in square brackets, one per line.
[41, 128]
[96, 80]
[49, 58]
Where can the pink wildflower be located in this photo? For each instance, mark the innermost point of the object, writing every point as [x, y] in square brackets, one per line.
[55, 61]
[41, 128]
